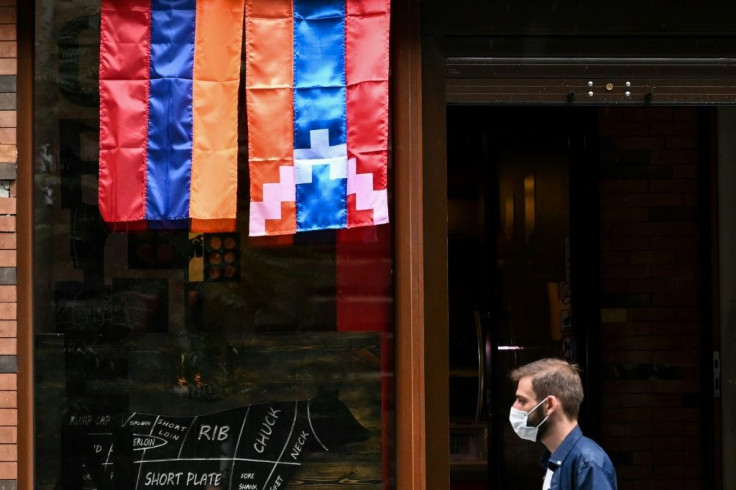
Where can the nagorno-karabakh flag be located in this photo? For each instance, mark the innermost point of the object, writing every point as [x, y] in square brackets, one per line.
[169, 76]
[317, 103]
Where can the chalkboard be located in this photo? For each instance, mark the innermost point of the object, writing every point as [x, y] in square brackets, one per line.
[252, 447]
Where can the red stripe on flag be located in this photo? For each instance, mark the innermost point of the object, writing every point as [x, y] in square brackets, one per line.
[366, 73]
[124, 85]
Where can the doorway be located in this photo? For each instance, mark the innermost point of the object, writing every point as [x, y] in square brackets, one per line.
[522, 244]
[584, 233]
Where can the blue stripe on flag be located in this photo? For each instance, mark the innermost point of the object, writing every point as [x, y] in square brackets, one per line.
[319, 104]
[170, 110]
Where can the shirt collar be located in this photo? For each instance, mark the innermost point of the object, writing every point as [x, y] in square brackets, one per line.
[554, 460]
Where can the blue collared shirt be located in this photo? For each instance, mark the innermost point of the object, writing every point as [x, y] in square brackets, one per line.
[580, 464]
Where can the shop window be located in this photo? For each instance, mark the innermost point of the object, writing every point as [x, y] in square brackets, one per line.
[170, 359]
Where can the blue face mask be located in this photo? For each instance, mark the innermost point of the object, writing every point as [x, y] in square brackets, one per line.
[519, 420]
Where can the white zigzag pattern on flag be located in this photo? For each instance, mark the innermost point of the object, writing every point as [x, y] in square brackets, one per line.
[274, 194]
[365, 196]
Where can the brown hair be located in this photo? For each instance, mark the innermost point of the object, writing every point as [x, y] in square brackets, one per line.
[557, 378]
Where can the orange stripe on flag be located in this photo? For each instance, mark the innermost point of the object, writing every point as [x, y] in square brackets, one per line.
[269, 30]
[218, 42]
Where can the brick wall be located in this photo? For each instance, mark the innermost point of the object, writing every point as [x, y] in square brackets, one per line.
[651, 305]
[8, 295]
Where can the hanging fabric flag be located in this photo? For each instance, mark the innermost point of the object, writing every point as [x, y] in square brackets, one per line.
[317, 103]
[169, 76]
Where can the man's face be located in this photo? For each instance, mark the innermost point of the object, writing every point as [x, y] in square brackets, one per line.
[526, 400]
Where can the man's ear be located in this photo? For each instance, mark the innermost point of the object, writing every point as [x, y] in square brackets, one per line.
[552, 405]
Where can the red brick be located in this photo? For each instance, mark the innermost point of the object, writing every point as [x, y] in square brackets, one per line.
[615, 230]
[8, 258]
[675, 270]
[674, 242]
[646, 343]
[674, 157]
[8, 294]
[673, 185]
[639, 143]
[680, 414]
[8, 381]
[7, 15]
[685, 114]
[674, 328]
[8, 417]
[626, 271]
[625, 329]
[690, 199]
[8, 136]
[8, 49]
[617, 128]
[8, 471]
[651, 257]
[656, 428]
[675, 299]
[686, 171]
[8, 119]
[678, 387]
[628, 386]
[690, 284]
[626, 414]
[8, 452]
[670, 128]
[644, 400]
[621, 200]
[653, 229]
[626, 444]
[623, 187]
[645, 285]
[8, 66]
[687, 256]
[624, 214]
[8, 435]
[8, 153]
[8, 328]
[627, 357]
[677, 357]
[675, 472]
[7, 241]
[681, 142]
[662, 200]
[663, 314]
[613, 258]
[8, 399]
[613, 285]
[651, 114]
[610, 114]
[8, 32]
[625, 243]
[616, 430]
[7, 223]
[8, 346]
[664, 457]
[625, 472]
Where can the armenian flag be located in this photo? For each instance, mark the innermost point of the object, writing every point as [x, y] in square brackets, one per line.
[317, 107]
[169, 81]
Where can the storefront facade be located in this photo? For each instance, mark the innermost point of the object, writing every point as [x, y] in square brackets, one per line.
[619, 125]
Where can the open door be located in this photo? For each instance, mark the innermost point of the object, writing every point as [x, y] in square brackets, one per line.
[520, 260]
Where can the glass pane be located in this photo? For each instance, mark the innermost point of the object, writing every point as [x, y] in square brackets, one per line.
[166, 359]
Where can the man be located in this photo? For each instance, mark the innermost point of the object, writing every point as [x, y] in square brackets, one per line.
[548, 397]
